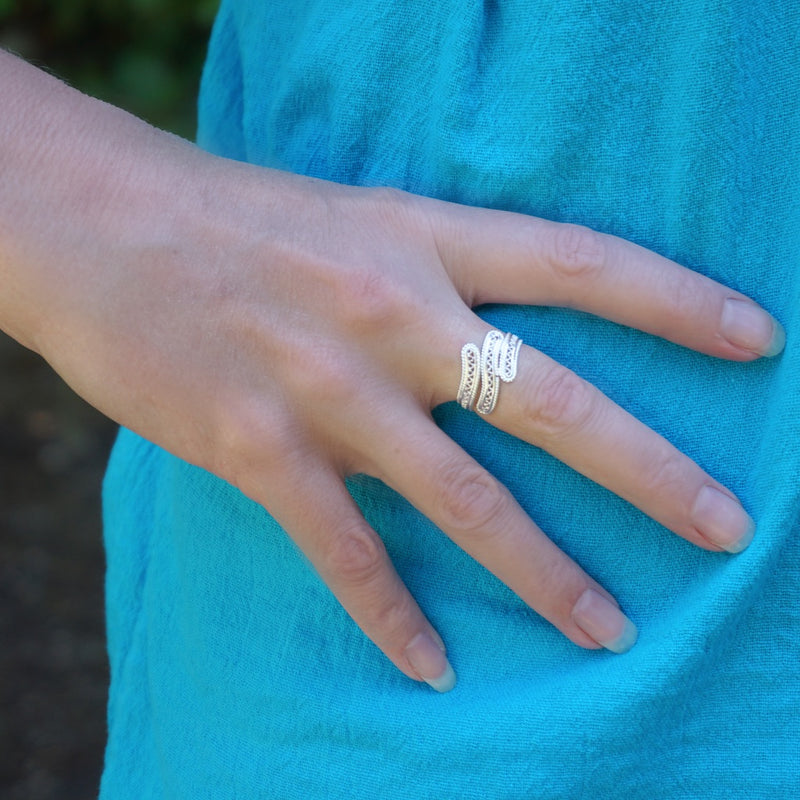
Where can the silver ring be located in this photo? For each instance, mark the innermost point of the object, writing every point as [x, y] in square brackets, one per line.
[483, 370]
[470, 375]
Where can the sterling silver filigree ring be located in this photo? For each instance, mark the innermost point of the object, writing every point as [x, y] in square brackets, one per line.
[483, 370]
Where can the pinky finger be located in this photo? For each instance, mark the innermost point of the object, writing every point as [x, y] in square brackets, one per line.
[351, 559]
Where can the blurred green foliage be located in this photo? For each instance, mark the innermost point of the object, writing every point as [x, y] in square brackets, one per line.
[143, 55]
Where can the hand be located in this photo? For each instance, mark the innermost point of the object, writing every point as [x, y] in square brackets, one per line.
[285, 333]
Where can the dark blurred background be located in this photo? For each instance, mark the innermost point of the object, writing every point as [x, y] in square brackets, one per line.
[146, 56]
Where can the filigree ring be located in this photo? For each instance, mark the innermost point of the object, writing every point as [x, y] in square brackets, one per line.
[482, 371]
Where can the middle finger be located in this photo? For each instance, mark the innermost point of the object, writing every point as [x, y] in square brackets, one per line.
[551, 407]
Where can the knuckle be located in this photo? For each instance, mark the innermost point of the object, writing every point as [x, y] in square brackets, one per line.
[355, 555]
[469, 497]
[249, 441]
[389, 198]
[331, 379]
[393, 206]
[319, 372]
[664, 475]
[373, 301]
[684, 296]
[561, 404]
[390, 615]
[577, 251]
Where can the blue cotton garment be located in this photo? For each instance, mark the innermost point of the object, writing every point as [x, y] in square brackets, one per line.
[235, 673]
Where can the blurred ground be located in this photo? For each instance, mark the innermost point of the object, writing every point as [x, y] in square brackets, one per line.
[146, 56]
[53, 666]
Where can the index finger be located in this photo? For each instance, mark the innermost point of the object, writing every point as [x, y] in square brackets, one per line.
[503, 257]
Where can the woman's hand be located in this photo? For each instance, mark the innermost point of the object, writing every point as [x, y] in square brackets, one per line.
[284, 333]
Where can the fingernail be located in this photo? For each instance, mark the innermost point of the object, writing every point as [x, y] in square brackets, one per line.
[746, 325]
[604, 622]
[722, 520]
[430, 663]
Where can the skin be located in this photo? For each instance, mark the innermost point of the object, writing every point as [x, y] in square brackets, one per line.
[284, 333]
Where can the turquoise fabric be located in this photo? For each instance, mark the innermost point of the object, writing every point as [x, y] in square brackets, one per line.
[235, 674]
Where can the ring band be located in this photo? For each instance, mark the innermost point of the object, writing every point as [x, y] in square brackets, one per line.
[483, 370]
[470, 375]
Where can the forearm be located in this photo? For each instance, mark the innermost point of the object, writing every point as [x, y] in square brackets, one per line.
[80, 180]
